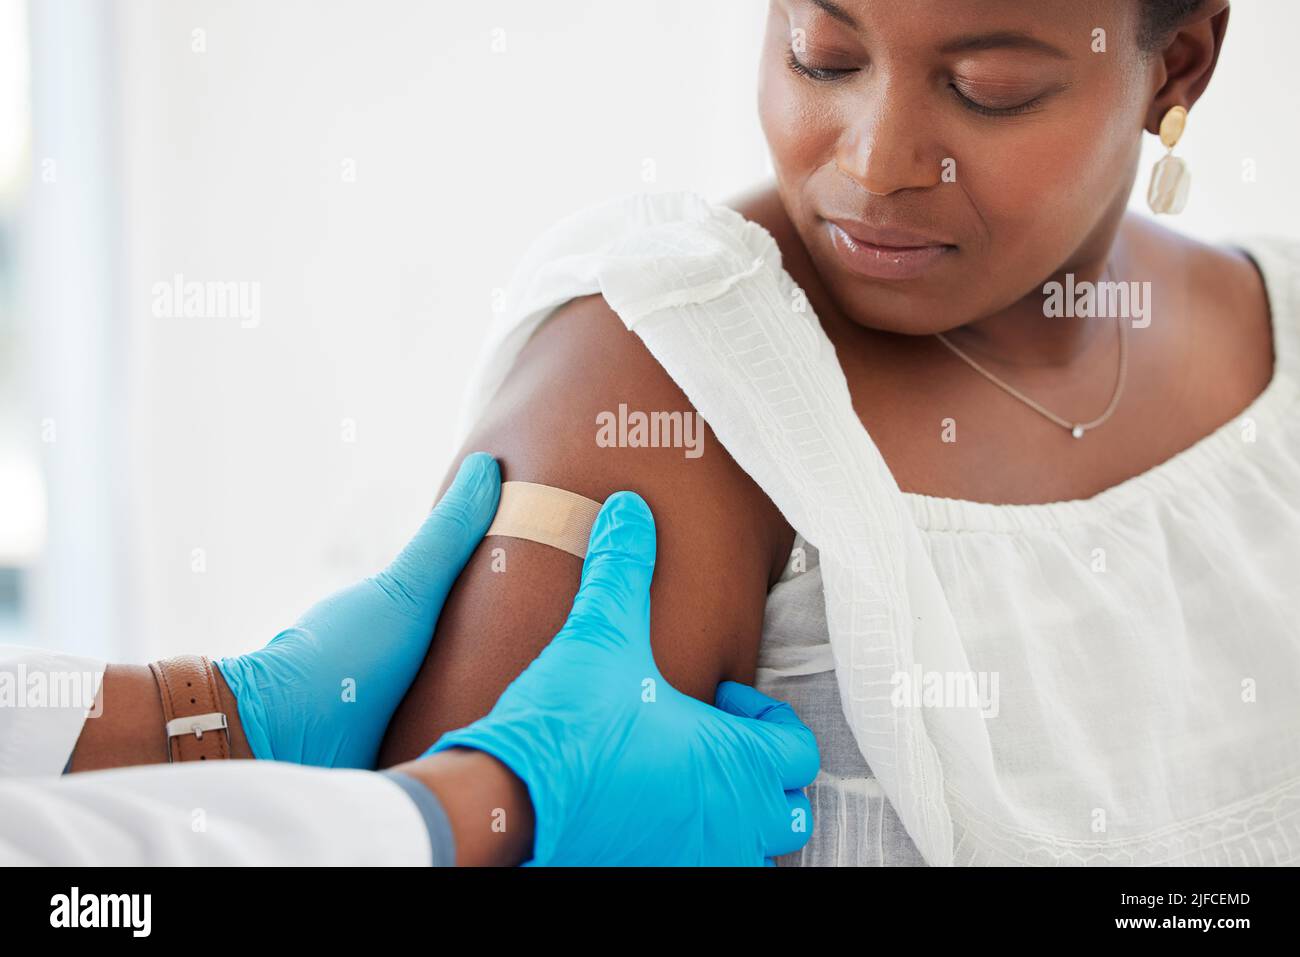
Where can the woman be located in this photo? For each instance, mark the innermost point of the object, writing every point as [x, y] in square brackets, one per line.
[1028, 573]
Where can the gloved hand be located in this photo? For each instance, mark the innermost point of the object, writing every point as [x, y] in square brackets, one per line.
[621, 767]
[323, 692]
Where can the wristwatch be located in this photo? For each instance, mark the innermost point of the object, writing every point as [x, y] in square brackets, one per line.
[195, 725]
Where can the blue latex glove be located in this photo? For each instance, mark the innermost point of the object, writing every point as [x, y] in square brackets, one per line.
[621, 767]
[323, 692]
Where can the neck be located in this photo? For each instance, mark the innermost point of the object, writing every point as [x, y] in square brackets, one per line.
[1021, 336]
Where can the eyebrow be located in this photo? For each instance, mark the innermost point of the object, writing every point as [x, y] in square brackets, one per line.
[835, 11]
[1001, 40]
[1005, 40]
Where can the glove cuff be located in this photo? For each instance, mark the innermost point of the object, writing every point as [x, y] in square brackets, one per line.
[526, 760]
[252, 713]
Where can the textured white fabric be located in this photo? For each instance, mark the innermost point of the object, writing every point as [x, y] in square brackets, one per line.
[1147, 713]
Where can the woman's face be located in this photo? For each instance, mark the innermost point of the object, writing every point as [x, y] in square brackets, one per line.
[975, 148]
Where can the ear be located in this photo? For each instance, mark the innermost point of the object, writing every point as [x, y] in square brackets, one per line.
[1187, 61]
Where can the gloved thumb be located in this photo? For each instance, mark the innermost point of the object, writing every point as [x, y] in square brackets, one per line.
[614, 595]
[431, 562]
[789, 742]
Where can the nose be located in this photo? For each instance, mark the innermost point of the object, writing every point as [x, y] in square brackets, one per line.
[885, 148]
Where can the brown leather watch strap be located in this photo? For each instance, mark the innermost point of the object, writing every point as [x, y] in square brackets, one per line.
[195, 725]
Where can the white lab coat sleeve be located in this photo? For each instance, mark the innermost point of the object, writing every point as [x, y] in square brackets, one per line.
[226, 812]
[44, 699]
[219, 813]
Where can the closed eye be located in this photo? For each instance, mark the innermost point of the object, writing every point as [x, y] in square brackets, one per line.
[984, 110]
[811, 72]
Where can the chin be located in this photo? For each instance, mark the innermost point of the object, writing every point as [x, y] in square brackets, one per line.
[913, 308]
[902, 323]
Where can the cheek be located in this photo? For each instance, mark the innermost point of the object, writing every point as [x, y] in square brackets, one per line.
[1078, 160]
[1078, 167]
[797, 132]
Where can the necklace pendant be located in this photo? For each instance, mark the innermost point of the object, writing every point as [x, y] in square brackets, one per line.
[1077, 431]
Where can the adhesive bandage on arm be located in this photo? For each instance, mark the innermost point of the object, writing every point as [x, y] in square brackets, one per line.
[550, 516]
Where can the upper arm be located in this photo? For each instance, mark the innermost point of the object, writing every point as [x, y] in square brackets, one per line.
[720, 540]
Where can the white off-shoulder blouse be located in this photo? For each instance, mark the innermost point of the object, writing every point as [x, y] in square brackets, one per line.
[1136, 655]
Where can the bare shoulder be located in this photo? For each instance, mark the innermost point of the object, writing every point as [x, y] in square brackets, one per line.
[1221, 275]
[570, 415]
[1219, 299]
[587, 406]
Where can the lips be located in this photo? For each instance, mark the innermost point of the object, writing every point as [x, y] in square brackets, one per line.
[886, 237]
[885, 252]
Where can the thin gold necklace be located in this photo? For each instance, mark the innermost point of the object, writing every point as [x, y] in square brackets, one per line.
[1077, 429]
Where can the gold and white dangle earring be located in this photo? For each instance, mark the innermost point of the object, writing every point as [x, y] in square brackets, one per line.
[1170, 180]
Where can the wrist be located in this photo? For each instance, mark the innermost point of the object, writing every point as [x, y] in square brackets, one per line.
[130, 729]
[239, 746]
[487, 805]
[531, 756]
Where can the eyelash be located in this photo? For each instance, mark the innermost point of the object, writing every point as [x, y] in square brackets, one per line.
[820, 76]
[990, 111]
[830, 76]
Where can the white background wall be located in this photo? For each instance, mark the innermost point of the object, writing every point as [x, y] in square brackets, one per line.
[230, 164]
